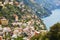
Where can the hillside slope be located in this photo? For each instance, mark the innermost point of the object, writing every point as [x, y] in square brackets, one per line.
[29, 18]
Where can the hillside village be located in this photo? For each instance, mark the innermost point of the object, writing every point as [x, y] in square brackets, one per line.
[25, 26]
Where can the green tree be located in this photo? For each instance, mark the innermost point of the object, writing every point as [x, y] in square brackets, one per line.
[54, 33]
[41, 36]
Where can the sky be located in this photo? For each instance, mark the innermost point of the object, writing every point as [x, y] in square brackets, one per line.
[53, 19]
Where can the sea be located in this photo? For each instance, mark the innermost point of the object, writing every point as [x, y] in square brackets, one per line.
[52, 19]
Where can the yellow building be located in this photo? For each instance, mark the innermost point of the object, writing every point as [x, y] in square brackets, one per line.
[4, 21]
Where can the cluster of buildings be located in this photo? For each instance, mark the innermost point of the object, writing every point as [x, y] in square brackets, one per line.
[27, 29]
[21, 5]
[28, 26]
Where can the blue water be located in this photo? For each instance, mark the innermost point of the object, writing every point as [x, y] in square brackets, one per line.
[53, 19]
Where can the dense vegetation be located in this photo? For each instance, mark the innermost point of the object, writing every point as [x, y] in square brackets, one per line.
[52, 34]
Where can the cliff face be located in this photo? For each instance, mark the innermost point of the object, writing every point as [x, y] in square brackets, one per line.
[39, 10]
[49, 4]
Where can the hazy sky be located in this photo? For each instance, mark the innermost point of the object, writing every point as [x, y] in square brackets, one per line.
[54, 18]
